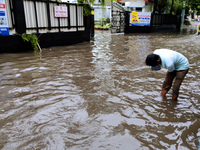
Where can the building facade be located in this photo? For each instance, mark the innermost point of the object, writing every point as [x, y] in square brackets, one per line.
[137, 5]
[129, 5]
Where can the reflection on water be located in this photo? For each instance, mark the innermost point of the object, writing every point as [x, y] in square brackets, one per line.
[99, 95]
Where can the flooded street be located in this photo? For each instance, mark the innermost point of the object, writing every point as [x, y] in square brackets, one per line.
[99, 95]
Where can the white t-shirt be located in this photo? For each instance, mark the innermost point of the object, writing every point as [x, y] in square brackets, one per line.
[172, 60]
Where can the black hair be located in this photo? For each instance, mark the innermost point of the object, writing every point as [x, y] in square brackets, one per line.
[151, 60]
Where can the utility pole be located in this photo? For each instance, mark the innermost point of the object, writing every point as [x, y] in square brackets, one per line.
[183, 14]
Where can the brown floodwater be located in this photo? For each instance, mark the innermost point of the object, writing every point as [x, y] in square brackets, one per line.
[99, 95]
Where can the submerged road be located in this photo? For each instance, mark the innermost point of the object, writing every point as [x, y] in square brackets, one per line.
[99, 95]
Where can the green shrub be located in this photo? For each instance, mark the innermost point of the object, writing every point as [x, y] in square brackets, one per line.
[32, 39]
[102, 20]
[108, 20]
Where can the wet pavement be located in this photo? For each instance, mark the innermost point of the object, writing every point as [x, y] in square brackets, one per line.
[99, 95]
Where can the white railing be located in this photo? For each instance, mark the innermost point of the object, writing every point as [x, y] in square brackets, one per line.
[9, 17]
[37, 20]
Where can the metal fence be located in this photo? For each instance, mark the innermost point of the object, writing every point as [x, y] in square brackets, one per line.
[39, 17]
[160, 19]
[164, 19]
[9, 14]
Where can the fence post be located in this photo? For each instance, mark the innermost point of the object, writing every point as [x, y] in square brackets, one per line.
[48, 15]
[19, 16]
[178, 23]
[76, 18]
[127, 18]
[36, 18]
[92, 23]
[152, 21]
[87, 25]
[68, 18]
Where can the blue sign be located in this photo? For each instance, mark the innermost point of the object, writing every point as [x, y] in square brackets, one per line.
[2, 13]
[4, 30]
[141, 19]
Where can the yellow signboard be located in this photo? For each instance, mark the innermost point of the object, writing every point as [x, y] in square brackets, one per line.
[135, 17]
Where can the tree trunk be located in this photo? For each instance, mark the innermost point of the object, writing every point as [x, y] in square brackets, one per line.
[155, 6]
[172, 7]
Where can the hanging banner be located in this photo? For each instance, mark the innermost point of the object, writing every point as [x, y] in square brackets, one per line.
[60, 11]
[4, 30]
[141, 18]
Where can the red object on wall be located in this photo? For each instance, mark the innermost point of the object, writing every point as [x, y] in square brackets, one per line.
[2, 6]
[60, 11]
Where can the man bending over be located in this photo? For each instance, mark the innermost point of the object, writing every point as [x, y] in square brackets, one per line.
[177, 66]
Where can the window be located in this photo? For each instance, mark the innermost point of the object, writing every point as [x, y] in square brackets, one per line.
[138, 9]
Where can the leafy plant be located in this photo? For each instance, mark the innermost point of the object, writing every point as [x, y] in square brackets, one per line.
[150, 9]
[102, 21]
[32, 39]
[86, 10]
[107, 20]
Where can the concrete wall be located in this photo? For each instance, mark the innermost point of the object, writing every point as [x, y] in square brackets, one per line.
[99, 12]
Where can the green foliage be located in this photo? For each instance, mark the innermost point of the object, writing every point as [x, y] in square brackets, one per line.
[198, 12]
[86, 6]
[191, 6]
[164, 6]
[32, 39]
[174, 6]
[107, 20]
[177, 8]
[86, 10]
[102, 20]
[95, 23]
[150, 9]
[89, 2]
[107, 26]
[97, 26]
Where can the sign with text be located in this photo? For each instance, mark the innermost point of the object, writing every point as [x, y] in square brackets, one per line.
[60, 11]
[134, 17]
[141, 18]
[4, 30]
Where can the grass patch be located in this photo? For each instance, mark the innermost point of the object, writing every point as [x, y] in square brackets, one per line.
[107, 26]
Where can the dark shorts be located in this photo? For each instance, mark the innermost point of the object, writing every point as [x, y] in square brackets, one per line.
[178, 76]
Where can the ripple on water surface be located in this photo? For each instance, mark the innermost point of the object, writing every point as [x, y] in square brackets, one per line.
[99, 95]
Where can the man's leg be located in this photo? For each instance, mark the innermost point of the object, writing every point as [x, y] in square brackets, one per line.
[168, 82]
[177, 83]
